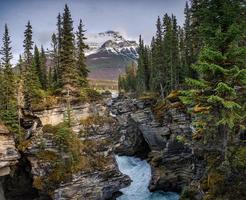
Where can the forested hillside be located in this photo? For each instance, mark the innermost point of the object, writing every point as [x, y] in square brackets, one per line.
[203, 65]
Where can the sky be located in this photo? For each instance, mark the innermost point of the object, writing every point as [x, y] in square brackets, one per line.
[130, 17]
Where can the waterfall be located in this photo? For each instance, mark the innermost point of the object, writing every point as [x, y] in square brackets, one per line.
[140, 173]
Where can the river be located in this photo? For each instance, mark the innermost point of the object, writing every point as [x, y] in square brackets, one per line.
[140, 173]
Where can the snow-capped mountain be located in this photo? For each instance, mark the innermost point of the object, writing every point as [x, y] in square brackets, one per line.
[111, 42]
[109, 53]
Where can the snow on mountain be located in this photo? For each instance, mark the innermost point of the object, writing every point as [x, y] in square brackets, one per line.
[111, 42]
[109, 54]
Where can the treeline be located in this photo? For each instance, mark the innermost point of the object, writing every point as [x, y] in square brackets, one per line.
[163, 66]
[42, 73]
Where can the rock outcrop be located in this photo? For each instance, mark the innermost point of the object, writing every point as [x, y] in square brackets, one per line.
[96, 175]
[159, 132]
[8, 155]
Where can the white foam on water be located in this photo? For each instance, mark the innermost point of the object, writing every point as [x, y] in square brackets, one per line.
[140, 173]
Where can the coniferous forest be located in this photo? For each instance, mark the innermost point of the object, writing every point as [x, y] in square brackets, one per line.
[180, 109]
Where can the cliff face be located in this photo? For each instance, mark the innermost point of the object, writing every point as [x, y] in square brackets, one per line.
[64, 162]
[8, 155]
[95, 175]
[159, 134]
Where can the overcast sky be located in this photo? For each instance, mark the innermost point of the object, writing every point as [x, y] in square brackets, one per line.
[131, 17]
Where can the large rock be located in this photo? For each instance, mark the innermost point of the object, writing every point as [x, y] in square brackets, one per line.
[87, 183]
[8, 153]
[162, 140]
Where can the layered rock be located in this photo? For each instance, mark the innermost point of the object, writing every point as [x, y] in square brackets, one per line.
[8, 155]
[160, 132]
[97, 175]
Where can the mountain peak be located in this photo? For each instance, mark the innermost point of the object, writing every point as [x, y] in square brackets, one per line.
[113, 42]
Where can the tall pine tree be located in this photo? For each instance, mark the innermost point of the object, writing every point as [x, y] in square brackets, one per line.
[69, 71]
[80, 61]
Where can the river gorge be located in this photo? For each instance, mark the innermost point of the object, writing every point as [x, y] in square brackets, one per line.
[150, 164]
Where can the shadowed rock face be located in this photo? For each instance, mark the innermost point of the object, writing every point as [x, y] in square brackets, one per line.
[171, 160]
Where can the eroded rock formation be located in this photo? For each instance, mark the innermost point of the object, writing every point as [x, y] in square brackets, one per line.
[160, 132]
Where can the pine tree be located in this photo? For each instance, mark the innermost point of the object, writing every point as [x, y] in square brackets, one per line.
[37, 64]
[8, 80]
[69, 71]
[28, 44]
[59, 47]
[158, 72]
[167, 55]
[81, 46]
[30, 76]
[8, 111]
[175, 53]
[43, 68]
[217, 97]
[183, 69]
[140, 72]
[20, 65]
[55, 62]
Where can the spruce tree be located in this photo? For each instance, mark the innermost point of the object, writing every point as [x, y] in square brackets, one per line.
[30, 75]
[59, 47]
[69, 71]
[140, 72]
[43, 68]
[55, 61]
[217, 97]
[8, 81]
[158, 72]
[80, 61]
[175, 53]
[8, 111]
[37, 64]
[167, 55]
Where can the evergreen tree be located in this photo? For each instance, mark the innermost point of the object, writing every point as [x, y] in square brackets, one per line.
[43, 68]
[140, 72]
[37, 64]
[30, 75]
[158, 71]
[28, 44]
[20, 65]
[81, 46]
[175, 54]
[183, 69]
[8, 80]
[167, 55]
[55, 61]
[69, 71]
[59, 47]
[8, 111]
[217, 97]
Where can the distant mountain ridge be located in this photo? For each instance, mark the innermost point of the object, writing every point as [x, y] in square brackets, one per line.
[109, 53]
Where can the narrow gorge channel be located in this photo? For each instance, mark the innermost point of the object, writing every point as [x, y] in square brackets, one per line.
[140, 173]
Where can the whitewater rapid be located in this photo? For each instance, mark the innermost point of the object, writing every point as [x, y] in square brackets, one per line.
[140, 173]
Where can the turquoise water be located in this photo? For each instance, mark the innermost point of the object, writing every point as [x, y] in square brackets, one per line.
[140, 173]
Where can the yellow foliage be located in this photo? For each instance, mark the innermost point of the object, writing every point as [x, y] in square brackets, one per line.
[148, 96]
[198, 109]
[173, 95]
[23, 145]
